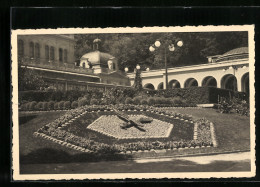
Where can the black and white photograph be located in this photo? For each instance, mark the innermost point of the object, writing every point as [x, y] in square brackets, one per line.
[150, 102]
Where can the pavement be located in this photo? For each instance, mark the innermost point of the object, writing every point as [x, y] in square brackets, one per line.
[211, 163]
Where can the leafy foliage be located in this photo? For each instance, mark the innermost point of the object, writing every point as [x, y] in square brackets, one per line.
[29, 80]
[132, 48]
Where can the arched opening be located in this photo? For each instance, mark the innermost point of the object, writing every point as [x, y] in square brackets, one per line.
[84, 65]
[60, 55]
[149, 86]
[191, 82]
[37, 50]
[20, 48]
[174, 84]
[65, 55]
[160, 86]
[52, 54]
[31, 49]
[229, 82]
[209, 81]
[245, 83]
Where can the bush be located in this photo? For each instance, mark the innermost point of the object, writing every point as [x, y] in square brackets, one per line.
[56, 106]
[128, 100]
[151, 101]
[39, 105]
[137, 100]
[94, 102]
[157, 100]
[27, 106]
[61, 105]
[224, 105]
[67, 105]
[240, 106]
[144, 102]
[177, 101]
[51, 105]
[74, 104]
[103, 102]
[23, 106]
[45, 106]
[83, 102]
[32, 105]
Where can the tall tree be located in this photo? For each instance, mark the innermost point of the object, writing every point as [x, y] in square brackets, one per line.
[133, 48]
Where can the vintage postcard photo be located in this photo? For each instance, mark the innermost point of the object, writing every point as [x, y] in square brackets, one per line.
[140, 103]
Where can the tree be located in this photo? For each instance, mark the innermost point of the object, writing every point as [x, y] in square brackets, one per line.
[133, 48]
[29, 80]
[138, 80]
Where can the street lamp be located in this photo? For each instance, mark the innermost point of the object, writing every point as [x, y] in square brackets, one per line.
[126, 69]
[166, 47]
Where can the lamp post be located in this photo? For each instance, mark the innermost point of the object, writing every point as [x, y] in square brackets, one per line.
[166, 47]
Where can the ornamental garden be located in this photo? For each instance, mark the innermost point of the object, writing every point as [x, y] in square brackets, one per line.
[139, 123]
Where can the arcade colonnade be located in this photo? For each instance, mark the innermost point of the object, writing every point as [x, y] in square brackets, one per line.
[233, 75]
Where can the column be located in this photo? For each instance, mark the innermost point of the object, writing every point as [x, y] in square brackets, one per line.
[239, 83]
[218, 83]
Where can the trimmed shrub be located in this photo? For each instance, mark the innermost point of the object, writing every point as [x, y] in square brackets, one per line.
[23, 106]
[56, 106]
[67, 105]
[61, 105]
[83, 102]
[144, 102]
[177, 101]
[45, 106]
[39, 105]
[94, 102]
[51, 105]
[128, 100]
[151, 101]
[137, 100]
[74, 104]
[103, 102]
[32, 105]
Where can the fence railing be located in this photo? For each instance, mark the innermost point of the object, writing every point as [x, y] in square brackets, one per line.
[52, 64]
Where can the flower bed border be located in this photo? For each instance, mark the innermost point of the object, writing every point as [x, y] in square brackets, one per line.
[70, 116]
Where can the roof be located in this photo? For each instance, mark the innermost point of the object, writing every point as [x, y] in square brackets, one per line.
[239, 50]
[234, 54]
[97, 57]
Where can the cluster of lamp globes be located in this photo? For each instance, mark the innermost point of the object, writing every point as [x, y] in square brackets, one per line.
[152, 49]
[171, 46]
[137, 67]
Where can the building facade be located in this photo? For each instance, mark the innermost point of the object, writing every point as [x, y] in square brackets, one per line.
[52, 56]
[227, 71]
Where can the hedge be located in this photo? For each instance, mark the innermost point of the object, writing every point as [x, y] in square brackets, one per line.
[197, 95]
[192, 95]
[71, 95]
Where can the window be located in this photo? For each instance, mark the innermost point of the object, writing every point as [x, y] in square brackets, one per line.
[60, 55]
[37, 50]
[31, 49]
[47, 56]
[65, 55]
[52, 55]
[84, 65]
[20, 48]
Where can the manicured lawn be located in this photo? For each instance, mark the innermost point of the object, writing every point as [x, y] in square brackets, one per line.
[232, 130]
[38, 150]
